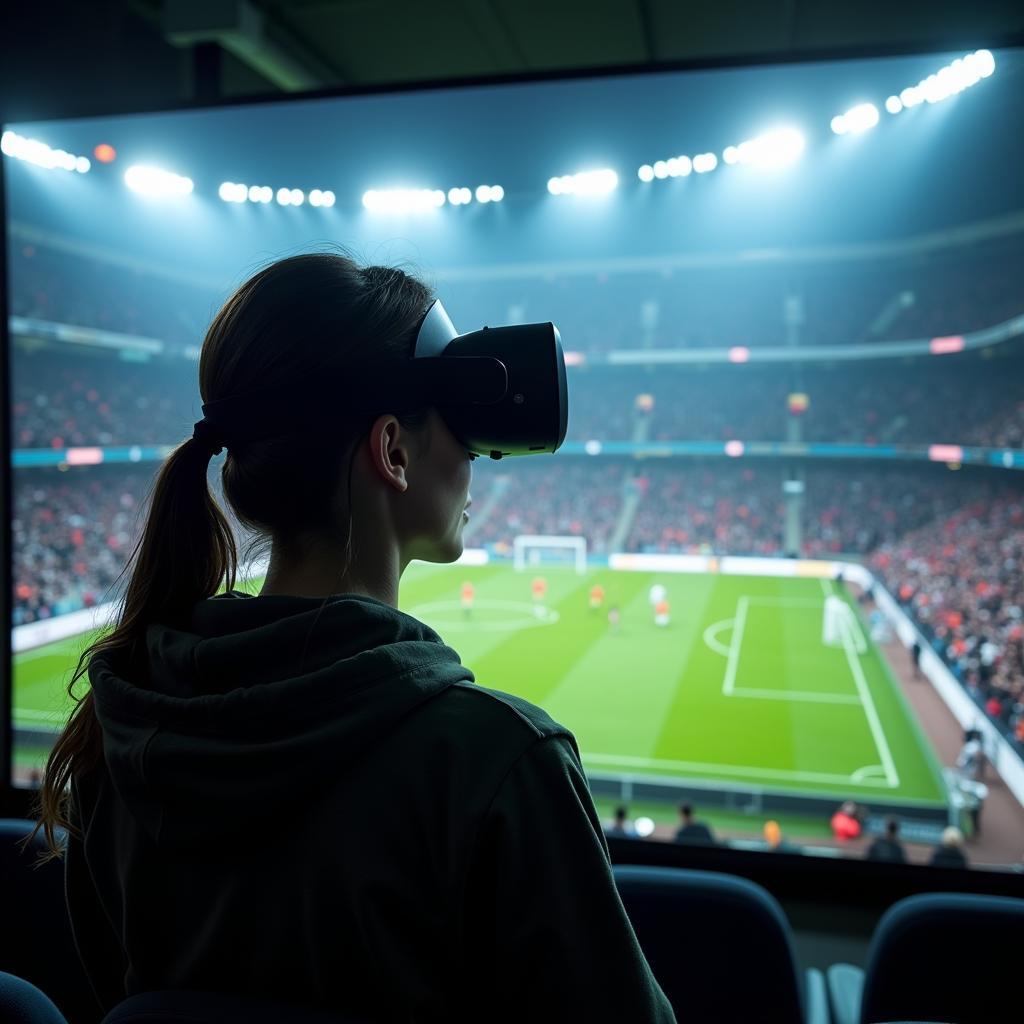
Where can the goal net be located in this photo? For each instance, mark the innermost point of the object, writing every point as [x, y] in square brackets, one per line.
[530, 551]
[840, 627]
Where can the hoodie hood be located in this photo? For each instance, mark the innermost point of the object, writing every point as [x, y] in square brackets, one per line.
[228, 732]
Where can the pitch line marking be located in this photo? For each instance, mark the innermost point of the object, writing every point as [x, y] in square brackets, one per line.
[869, 771]
[729, 682]
[870, 711]
[826, 590]
[711, 636]
[731, 769]
[808, 696]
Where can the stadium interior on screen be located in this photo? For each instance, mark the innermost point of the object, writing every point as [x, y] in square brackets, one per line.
[791, 301]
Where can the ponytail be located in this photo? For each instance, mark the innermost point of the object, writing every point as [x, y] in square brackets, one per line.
[186, 551]
[319, 315]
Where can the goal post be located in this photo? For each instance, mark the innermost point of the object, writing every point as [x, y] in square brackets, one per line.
[531, 550]
[839, 626]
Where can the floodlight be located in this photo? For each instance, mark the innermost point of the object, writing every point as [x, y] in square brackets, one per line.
[893, 104]
[284, 196]
[984, 62]
[298, 198]
[156, 182]
[646, 173]
[660, 169]
[483, 193]
[497, 193]
[82, 164]
[857, 119]
[705, 162]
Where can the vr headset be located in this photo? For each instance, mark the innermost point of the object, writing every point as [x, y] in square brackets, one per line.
[500, 390]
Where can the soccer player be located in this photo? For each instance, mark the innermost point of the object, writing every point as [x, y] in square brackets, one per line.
[614, 618]
[657, 593]
[596, 597]
[539, 589]
[468, 593]
[661, 611]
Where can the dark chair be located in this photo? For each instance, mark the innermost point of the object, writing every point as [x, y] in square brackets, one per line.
[937, 957]
[36, 942]
[22, 1003]
[215, 1008]
[720, 947]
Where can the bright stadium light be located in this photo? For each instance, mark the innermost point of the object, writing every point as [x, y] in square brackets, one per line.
[284, 197]
[661, 169]
[705, 162]
[298, 197]
[646, 173]
[776, 148]
[403, 200]
[946, 82]
[857, 119]
[156, 182]
[585, 183]
[490, 194]
[260, 194]
[232, 192]
[35, 152]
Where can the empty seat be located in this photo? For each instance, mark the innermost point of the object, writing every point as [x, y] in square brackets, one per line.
[36, 942]
[946, 957]
[22, 1003]
[720, 947]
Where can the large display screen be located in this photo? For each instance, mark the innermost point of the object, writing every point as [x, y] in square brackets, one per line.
[774, 574]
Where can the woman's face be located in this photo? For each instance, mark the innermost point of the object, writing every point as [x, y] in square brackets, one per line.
[433, 511]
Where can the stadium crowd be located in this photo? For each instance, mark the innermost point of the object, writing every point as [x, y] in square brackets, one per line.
[70, 399]
[718, 302]
[962, 579]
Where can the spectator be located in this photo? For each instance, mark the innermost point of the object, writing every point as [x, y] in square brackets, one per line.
[846, 823]
[888, 847]
[621, 827]
[777, 843]
[950, 853]
[691, 831]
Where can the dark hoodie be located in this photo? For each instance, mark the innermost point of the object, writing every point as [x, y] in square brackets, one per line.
[377, 835]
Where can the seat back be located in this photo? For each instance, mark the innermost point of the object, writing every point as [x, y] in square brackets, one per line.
[36, 942]
[719, 946]
[215, 1008]
[22, 1003]
[945, 957]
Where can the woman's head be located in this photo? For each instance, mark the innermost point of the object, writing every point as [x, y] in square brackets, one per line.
[320, 325]
[337, 493]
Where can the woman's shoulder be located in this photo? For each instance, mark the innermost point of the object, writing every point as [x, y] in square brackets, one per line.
[503, 712]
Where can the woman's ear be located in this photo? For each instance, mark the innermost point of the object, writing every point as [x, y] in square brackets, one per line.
[389, 451]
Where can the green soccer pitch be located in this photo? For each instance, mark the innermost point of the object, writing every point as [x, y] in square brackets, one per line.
[738, 689]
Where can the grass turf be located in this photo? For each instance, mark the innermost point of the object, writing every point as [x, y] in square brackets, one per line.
[738, 689]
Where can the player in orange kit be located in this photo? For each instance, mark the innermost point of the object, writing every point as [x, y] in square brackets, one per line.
[596, 597]
[539, 589]
[468, 593]
[661, 613]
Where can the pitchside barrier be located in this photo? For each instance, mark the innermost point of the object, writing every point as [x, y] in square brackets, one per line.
[1006, 761]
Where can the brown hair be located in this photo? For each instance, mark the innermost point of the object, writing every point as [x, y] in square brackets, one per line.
[306, 318]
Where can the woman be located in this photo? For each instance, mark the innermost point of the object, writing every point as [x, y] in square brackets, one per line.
[303, 795]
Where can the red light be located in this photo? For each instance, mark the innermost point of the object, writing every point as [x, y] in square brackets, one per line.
[84, 456]
[943, 346]
[106, 154]
[945, 453]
